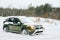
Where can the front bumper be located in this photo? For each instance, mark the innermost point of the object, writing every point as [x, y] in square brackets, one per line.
[38, 31]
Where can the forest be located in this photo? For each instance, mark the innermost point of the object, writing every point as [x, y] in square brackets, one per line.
[45, 11]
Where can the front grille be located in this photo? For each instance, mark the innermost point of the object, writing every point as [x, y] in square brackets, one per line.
[38, 27]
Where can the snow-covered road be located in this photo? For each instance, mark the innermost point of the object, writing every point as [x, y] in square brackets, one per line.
[51, 32]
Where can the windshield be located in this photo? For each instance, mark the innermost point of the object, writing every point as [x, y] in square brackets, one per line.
[26, 20]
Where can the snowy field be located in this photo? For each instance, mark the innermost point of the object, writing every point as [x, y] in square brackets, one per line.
[51, 32]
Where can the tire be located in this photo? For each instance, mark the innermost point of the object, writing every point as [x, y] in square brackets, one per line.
[6, 29]
[24, 32]
[31, 33]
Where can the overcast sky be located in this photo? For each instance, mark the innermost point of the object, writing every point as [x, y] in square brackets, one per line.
[26, 3]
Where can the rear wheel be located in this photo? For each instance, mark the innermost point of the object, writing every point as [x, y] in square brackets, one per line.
[6, 29]
[24, 32]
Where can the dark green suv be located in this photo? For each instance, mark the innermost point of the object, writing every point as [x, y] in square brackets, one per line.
[21, 25]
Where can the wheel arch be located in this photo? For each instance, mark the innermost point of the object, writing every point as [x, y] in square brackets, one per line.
[5, 26]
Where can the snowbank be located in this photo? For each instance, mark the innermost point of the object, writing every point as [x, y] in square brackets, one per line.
[52, 31]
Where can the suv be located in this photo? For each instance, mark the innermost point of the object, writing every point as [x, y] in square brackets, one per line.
[21, 25]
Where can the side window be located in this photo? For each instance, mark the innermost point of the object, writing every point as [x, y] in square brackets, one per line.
[9, 20]
[16, 20]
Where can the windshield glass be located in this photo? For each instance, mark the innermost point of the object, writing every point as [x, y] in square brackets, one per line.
[26, 20]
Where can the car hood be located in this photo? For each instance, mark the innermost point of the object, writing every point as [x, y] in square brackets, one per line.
[32, 24]
[28, 23]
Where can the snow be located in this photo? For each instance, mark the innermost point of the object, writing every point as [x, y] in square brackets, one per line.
[51, 32]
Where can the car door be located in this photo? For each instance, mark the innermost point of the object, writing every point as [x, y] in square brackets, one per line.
[15, 26]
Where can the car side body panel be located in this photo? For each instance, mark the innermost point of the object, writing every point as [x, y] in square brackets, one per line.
[14, 28]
